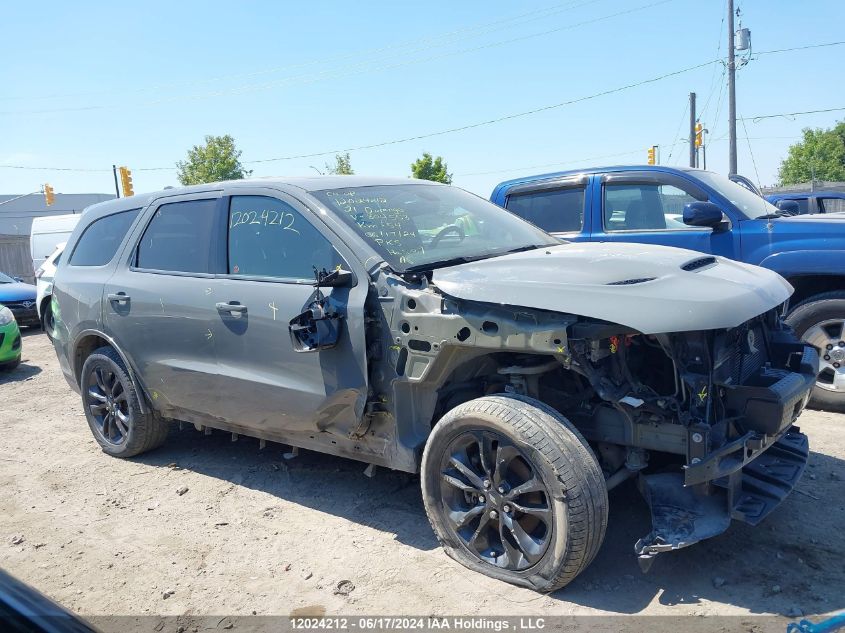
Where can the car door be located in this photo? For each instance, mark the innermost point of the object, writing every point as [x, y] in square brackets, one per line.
[159, 305]
[648, 207]
[560, 206]
[274, 244]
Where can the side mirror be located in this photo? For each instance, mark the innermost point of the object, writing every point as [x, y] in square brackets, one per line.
[705, 214]
[789, 207]
[337, 278]
[315, 329]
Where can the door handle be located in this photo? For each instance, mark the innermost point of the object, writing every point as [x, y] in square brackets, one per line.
[120, 297]
[233, 307]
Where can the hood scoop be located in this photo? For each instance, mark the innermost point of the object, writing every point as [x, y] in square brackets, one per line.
[631, 282]
[697, 264]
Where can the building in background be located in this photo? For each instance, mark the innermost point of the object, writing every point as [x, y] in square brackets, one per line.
[16, 216]
[16, 224]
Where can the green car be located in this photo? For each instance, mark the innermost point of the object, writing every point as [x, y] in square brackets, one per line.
[10, 340]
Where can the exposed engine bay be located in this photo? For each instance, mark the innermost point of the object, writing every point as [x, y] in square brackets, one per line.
[702, 419]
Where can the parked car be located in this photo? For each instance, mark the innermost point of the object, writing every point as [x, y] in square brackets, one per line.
[10, 340]
[44, 288]
[416, 326]
[809, 202]
[48, 232]
[705, 211]
[19, 297]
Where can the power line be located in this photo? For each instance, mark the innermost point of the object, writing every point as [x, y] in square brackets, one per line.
[340, 73]
[750, 151]
[754, 119]
[489, 121]
[484, 28]
[678, 131]
[454, 129]
[799, 48]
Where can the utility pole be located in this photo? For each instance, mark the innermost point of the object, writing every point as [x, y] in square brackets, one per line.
[692, 129]
[732, 169]
[114, 173]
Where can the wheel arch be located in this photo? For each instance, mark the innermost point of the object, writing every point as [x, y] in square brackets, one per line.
[90, 340]
[808, 287]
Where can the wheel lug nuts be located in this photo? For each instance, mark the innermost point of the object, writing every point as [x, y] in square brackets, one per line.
[501, 490]
[494, 514]
[841, 343]
[836, 365]
[826, 357]
[506, 509]
[487, 484]
[829, 346]
[481, 499]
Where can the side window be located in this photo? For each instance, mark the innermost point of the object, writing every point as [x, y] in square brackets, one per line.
[832, 205]
[100, 240]
[269, 238]
[645, 207]
[180, 238]
[554, 211]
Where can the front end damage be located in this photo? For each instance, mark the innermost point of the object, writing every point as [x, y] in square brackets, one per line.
[703, 417]
[719, 438]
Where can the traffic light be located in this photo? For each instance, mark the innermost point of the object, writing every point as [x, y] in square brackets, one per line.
[652, 155]
[49, 196]
[126, 181]
[699, 134]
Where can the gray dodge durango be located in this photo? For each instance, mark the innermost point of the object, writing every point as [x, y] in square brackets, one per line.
[418, 327]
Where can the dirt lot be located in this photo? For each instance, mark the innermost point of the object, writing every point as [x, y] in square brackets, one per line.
[255, 533]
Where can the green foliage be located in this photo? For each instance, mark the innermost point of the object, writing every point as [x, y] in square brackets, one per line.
[429, 168]
[342, 165]
[819, 156]
[217, 160]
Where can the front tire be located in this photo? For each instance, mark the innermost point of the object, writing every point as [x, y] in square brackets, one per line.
[47, 321]
[820, 321]
[512, 490]
[113, 409]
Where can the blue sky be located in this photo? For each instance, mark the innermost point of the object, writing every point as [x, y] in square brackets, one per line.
[86, 85]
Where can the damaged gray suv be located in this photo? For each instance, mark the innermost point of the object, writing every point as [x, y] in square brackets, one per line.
[415, 326]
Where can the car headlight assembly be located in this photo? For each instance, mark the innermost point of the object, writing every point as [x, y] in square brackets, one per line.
[6, 316]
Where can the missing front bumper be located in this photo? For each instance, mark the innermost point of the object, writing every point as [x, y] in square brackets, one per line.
[683, 515]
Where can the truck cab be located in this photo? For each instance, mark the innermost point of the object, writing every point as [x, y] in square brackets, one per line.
[707, 212]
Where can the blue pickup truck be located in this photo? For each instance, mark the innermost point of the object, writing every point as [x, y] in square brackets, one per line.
[704, 211]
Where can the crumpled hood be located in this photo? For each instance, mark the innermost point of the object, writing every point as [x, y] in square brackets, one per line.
[574, 278]
[16, 292]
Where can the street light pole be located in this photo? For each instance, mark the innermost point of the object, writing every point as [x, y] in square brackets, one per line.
[732, 168]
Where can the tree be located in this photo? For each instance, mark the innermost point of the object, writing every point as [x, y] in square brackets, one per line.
[429, 168]
[819, 156]
[217, 160]
[342, 165]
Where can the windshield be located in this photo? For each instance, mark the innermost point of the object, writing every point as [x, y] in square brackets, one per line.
[5, 279]
[415, 226]
[748, 202]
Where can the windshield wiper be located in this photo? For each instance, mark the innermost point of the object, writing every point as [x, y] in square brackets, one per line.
[772, 216]
[443, 263]
[463, 259]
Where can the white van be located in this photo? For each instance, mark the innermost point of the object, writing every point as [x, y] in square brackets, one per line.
[47, 233]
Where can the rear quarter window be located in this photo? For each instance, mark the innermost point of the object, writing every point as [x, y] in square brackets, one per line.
[100, 240]
[554, 211]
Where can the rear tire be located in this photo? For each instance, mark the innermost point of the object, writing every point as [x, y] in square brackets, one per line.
[820, 321]
[113, 409]
[512, 490]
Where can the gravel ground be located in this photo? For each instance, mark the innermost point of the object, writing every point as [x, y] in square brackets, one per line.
[207, 526]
